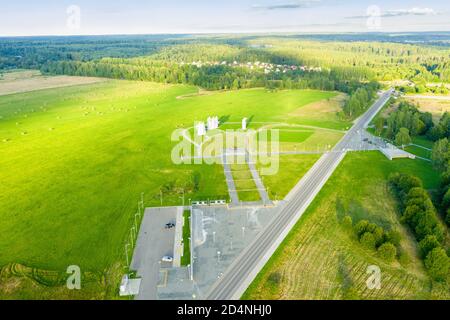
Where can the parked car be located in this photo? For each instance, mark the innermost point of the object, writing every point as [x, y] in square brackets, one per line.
[167, 259]
[170, 225]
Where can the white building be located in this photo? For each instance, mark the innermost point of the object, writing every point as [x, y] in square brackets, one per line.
[201, 129]
[213, 123]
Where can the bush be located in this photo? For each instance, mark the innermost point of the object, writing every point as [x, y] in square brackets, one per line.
[393, 237]
[347, 221]
[368, 240]
[361, 227]
[437, 264]
[379, 236]
[387, 251]
[426, 223]
[274, 278]
[403, 183]
[427, 245]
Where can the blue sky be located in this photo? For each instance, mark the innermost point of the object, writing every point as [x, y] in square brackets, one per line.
[50, 17]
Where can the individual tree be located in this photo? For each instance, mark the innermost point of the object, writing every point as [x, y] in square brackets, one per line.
[368, 240]
[402, 138]
[446, 199]
[427, 119]
[347, 221]
[427, 245]
[379, 236]
[440, 153]
[361, 227]
[447, 219]
[418, 127]
[379, 125]
[393, 237]
[387, 251]
[437, 264]
[436, 132]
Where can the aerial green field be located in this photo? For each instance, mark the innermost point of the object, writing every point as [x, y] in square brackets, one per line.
[292, 169]
[75, 161]
[322, 258]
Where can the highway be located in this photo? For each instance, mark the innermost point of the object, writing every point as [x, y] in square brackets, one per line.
[246, 267]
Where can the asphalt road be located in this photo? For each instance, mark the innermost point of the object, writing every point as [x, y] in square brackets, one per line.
[242, 272]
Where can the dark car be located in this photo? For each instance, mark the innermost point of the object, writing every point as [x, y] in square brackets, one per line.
[170, 225]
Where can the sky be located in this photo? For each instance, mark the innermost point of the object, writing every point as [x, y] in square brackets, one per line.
[84, 17]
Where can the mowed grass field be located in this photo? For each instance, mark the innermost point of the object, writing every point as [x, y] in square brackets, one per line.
[322, 258]
[291, 170]
[74, 162]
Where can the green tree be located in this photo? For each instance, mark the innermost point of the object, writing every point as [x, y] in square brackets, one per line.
[428, 244]
[402, 138]
[347, 221]
[440, 153]
[435, 133]
[368, 240]
[379, 126]
[387, 251]
[393, 237]
[447, 219]
[437, 264]
[361, 227]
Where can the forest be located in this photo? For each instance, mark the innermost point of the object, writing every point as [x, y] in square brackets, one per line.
[346, 63]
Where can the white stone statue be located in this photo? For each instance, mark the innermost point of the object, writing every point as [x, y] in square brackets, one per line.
[244, 124]
[201, 129]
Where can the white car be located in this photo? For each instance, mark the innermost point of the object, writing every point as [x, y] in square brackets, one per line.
[167, 259]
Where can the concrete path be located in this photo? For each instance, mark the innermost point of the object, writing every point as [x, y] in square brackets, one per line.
[419, 146]
[259, 184]
[178, 243]
[230, 181]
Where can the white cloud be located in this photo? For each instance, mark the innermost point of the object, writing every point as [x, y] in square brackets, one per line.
[288, 5]
[410, 12]
[416, 11]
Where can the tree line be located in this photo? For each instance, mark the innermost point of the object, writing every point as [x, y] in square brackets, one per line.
[440, 158]
[215, 77]
[419, 213]
[360, 100]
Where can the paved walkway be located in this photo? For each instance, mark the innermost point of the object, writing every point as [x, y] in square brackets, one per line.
[259, 184]
[178, 244]
[230, 181]
[419, 146]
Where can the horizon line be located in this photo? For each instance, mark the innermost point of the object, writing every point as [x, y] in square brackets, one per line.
[222, 33]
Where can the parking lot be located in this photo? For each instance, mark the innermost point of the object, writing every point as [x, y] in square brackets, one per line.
[154, 242]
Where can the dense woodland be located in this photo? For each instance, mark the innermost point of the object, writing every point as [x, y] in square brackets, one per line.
[346, 62]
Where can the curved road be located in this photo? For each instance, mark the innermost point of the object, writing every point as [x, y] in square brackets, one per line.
[243, 271]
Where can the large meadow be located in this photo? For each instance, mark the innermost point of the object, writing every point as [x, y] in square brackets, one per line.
[75, 161]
